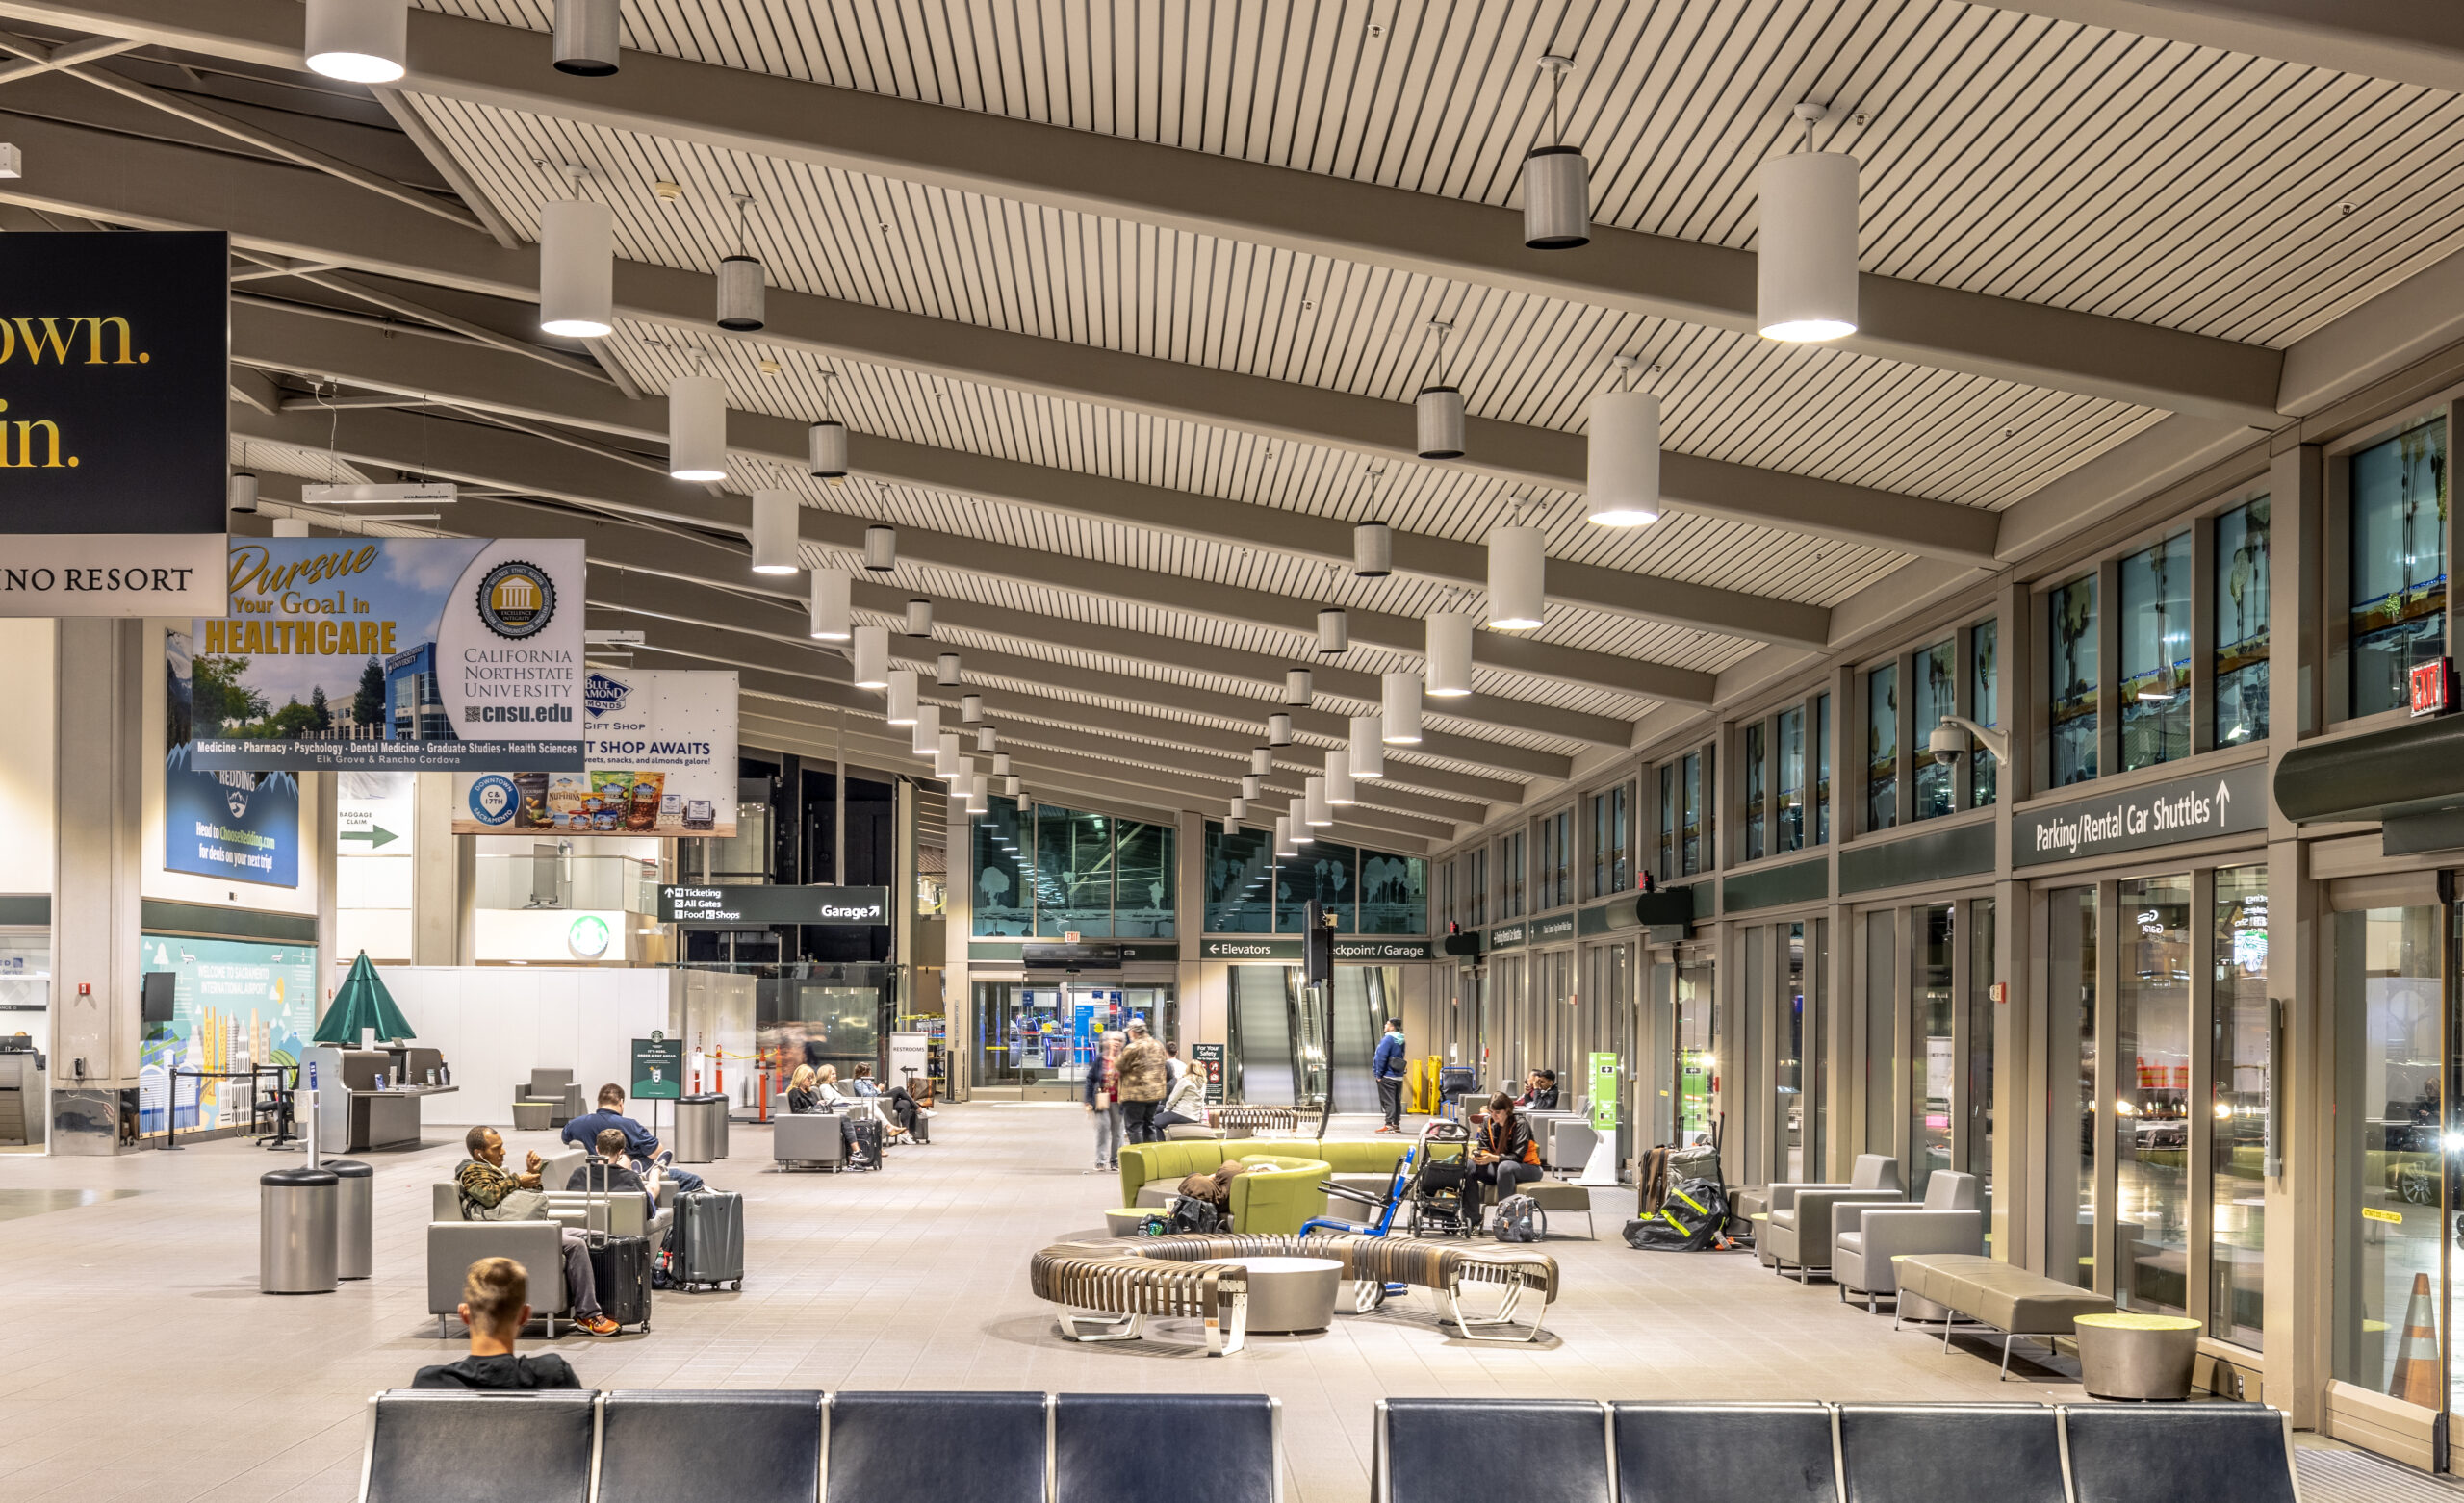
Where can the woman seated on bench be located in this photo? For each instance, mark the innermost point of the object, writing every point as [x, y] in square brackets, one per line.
[1503, 1151]
[1185, 1104]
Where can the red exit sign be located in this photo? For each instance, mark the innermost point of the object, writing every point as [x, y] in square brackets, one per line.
[2433, 687]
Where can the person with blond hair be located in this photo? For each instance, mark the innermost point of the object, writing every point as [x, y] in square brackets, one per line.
[802, 1092]
[496, 1305]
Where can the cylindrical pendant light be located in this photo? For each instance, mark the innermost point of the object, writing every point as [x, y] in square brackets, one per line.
[1402, 712]
[741, 293]
[919, 617]
[1252, 786]
[833, 605]
[586, 37]
[825, 450]
[243, 492]
[1279, 729]
[1518, 578]
[577, 269]
[1805, 274]
[1262, 762]
[1297, 687]
[1556, 198]
[774, 532]
[985, 739]
[1368, 746]
[1339, 784]
[945, 670]
[1001, 765]
[902, 696]
[947, 760]
[696, 428]
[872, 657]
[359, 41]
[1301, 834]
[979, 793]
[971, 711]
[1312, 801]
[1373, 551]
[881, 548]
[1450, 654]
[1439, 415]
[1009, 788]
[1283, 846]
[1334, 631]
[926, 741]
[1621, 489]
[1240, 810]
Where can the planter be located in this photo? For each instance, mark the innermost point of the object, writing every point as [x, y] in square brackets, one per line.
[2129, 1355]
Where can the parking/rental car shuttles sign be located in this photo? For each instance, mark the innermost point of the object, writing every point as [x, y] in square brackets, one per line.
[405, 654]
[2230, 803]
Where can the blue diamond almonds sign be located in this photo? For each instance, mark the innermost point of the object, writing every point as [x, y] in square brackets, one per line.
[2200, 808]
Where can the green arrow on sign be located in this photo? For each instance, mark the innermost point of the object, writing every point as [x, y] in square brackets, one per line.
[375, 835]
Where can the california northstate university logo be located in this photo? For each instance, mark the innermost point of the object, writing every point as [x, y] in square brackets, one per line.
[517, 600]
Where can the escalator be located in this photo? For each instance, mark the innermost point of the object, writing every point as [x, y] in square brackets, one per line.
[1261, 1035]
[1359, 1017]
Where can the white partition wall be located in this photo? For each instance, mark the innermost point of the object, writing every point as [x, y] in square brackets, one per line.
[495, 1024]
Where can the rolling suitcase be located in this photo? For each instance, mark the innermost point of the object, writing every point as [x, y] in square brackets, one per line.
[710, 1239]
[863, 1142]
[620, 1266]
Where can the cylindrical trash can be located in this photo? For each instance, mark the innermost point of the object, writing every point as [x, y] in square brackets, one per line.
[701, 1128]
[295, 1232]
[354, 1218]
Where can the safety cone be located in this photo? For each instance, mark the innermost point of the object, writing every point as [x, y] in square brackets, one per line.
[2416, 1378]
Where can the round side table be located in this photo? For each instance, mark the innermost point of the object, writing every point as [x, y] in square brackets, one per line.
[1288, 1294]
[2131, 1356]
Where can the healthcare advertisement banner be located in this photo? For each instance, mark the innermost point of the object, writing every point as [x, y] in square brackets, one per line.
[660, 760]
[393, 654]
[242, 827]
[236, 1006]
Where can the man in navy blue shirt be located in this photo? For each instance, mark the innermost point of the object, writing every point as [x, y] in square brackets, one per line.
[1386, 1068]
[583, 1131]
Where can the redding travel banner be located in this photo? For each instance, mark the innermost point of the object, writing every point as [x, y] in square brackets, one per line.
[114, 380]
[659, 759]
[393, 654]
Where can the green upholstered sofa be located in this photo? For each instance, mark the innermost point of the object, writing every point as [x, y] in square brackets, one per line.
[1283, 1196]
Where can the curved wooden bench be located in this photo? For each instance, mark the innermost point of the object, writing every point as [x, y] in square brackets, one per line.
[1443, 1269]
[1118, 1289]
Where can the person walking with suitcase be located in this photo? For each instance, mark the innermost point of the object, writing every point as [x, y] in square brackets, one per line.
[1145, 1074]
[1386, 1068]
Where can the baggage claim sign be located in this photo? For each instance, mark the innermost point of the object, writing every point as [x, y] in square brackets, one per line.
[113, 423]
[392, 654]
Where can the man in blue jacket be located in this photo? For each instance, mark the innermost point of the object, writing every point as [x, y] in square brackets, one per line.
[1386, 1067]
[640, 1146]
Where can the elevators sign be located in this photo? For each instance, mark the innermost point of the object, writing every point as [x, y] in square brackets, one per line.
[393, 654]
[2230, 803]
[114, 379]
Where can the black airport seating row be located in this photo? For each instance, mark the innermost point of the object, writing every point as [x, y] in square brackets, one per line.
[774, 1445]
[1583, 1451]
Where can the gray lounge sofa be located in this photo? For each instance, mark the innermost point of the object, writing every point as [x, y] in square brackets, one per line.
[1796, 1233]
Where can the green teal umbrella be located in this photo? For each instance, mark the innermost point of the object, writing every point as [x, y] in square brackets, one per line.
[363, 1003]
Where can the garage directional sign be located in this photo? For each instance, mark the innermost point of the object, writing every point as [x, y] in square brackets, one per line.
[2137, 819]
[758, 903]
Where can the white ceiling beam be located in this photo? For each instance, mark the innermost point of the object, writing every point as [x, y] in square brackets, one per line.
[271, 208]
[1113, 176]
[2410, 41]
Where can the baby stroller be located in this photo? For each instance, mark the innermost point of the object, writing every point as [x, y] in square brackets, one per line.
[1438, 1201]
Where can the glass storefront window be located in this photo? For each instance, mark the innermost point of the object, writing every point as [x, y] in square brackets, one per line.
[1882, 1032]
[1475, 885]
[1981, 1015]
[1936, 685]
[1696, 829]
[1930, 1058]
[1394, 894]
[2389, 1111]
[2071, 617]
[2397, 544]
[1756, 771]
[1882, 747]
[1612, 867]
[1240, 882]
[2156, 653]
[1324, 871]
[1510, 876]
[1787, 1072]
[1555, 884]
[1790, 733]
[1666, 866]
[1073, 874]
[2241, 1039]
[1698, 1043]
[2240, 611]
[1004, 902]
[2151, 1098]
[1822, 769]
[1983, 677]
[2070, 998]
[1143, 893]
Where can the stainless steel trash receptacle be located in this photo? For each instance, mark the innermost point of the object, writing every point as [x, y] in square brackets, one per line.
[354, 1218]
[295, 1232]
[701, 1128]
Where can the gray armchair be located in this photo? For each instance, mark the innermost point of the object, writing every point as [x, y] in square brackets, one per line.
[1798, 1227]
[557, 1089]
[1865, 1239]
[809, 1137]
[455, 1245]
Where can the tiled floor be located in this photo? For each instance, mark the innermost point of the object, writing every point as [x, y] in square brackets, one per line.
[140, 1361]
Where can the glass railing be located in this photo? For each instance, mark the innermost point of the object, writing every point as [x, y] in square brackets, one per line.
[567, 880]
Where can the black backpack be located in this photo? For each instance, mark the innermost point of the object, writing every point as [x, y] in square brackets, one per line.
[1189, 1214]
